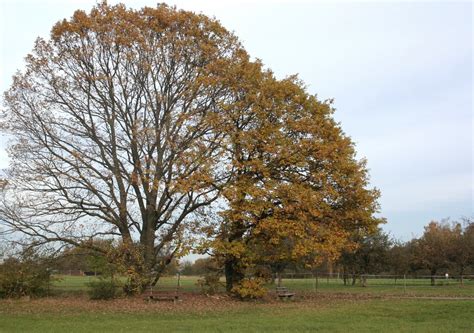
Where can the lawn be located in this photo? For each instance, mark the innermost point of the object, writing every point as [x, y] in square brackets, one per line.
[410, 287]
[324, 305]
[224, 315]
[384, 286]
[79, 284]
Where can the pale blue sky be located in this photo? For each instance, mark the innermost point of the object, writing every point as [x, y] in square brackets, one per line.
[400, 73]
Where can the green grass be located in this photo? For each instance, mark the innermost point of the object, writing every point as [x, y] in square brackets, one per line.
[410, 287]
[341, 316]
[338, 308]
[414, 287]
[76, 284]
[67, 282]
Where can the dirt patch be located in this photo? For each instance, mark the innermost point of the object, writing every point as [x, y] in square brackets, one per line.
[82, 304]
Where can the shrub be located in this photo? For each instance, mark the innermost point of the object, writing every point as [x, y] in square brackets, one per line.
[209, 284]
[103, 289]
[250, 288]
[24, 277]
[135, 285]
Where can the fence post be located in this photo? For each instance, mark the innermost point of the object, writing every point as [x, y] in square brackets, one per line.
[317, 281]
[404, 283]
[178, 286]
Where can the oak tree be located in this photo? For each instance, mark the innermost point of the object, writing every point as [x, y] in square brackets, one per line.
[297, 190]
[114, 129]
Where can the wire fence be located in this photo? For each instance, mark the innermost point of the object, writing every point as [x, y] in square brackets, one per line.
[78, 284]
[302, 283]
[380, 283]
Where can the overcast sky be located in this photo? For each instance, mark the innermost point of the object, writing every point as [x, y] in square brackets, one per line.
[400, 74]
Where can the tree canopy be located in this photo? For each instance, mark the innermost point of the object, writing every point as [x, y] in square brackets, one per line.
[298, 192]
[150, 126]
[445, 246]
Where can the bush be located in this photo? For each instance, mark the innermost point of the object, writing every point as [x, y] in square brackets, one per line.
[103, 289]
[24, 277]
[250, 288]
[209, 284]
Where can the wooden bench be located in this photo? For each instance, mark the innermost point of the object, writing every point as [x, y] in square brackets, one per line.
[284, 293]
[162, 295]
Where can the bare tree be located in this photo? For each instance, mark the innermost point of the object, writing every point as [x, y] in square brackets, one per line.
[114, 129]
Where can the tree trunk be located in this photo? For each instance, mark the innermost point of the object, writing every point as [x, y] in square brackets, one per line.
[229, 273]
[330, 268]
[147, 239]
[433, 273]
[344, 275]
[232, 274]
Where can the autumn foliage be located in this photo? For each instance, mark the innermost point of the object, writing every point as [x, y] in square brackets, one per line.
[154, 128]
[297, 192]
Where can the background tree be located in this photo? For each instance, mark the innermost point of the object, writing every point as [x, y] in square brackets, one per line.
[74, 259]
[114, 129]
[370, 256]
[87, 260]
[400, 258]
[436, 249]
[463, 247]
[197, 268]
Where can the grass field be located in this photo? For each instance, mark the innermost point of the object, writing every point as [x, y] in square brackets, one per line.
[326, 315]
[384, 286]
[323, 305]
[75, 284]
[378, 286]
